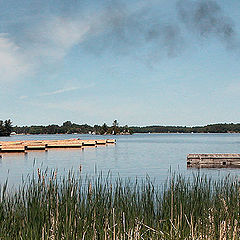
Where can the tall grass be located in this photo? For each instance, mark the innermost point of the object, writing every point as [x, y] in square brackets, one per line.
[48, 207]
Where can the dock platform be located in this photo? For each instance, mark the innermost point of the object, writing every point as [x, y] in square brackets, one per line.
[221, 160]
[23, 146]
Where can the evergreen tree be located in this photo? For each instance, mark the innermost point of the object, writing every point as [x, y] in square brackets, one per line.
[115, 127]
[104, 128]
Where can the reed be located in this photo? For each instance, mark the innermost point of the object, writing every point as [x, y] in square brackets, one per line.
[52, 207]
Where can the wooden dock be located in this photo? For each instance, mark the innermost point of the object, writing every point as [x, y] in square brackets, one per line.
[221, 160]
[24, 146]
[13, 148]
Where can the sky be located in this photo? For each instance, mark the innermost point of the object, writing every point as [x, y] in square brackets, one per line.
[154, 62]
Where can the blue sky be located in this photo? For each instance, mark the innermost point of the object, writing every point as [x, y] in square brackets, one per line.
[143, 63]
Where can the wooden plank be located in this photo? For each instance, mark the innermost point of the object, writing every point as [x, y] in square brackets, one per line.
[12, 148]
[11, 143]
[88, 142]
[101, 141]
[64, 144]
[36, 147]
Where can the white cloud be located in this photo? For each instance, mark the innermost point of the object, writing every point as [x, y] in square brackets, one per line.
[48, 42]
[55, 36]
[63, 90]
[59, 91]
[12, 62]
[45, 42]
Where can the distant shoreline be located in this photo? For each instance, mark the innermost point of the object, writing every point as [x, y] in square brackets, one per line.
[177, 133]
[73, 128]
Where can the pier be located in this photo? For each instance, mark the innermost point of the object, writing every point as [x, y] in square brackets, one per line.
[24, 146]
[222, 160]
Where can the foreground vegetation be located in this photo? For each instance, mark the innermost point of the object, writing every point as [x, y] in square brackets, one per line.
[48, 207]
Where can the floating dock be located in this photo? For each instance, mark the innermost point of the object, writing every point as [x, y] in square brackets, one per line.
[23, 146]
[101, 142]
[89, 143]
[64, 144]
[13, 148]
[35, 146]
[225, 160]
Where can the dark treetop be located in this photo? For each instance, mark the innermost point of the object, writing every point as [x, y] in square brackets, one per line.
[5, 127]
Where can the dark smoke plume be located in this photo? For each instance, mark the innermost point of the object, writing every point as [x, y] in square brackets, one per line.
[145, 32]
[206, 18]
[139, 32]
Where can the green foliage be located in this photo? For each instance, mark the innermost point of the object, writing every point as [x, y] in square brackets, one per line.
[5, 127]
[212, 128]
[69, 127]
[99, 208]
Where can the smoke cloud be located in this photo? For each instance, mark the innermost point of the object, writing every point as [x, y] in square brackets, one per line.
[206, 19]
[138, 31]
[143, 31]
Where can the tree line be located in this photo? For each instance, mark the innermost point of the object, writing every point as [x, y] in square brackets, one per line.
[69, 128]
[211, 128]
[5, 127]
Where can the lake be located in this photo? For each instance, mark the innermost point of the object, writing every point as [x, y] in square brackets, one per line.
[138, 155]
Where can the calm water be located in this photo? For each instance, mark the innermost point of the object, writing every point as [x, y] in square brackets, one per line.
[133, 156]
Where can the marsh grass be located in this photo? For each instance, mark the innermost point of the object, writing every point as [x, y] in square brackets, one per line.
[48, 207]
